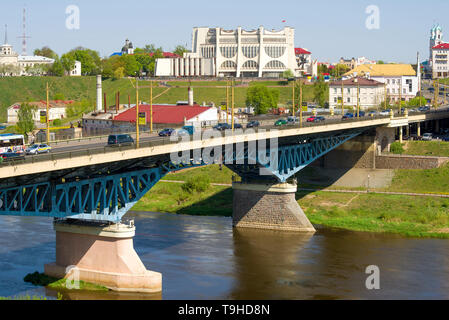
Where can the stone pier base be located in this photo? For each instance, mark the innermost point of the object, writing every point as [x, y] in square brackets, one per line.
[102, 254]
[269, 206]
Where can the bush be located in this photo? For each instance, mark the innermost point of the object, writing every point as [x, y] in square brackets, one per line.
[57, 122]
[397, 148]
[196, 184]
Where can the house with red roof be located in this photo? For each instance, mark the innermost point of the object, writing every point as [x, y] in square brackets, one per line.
[306, 67]
[440, 61]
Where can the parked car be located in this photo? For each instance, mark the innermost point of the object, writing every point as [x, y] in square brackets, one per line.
[348, 116]
[292, 120]
[372, 113]
[237, 126]
[118, 140]
[446, 139]
[8, 156]
[424, 109]
[222, 127]
[280, 123]
[385, 112]
[167, 132]
[427, 137]
[415, 137]
[319, 119]
[311, 119]
[253, 124]
[38, 149]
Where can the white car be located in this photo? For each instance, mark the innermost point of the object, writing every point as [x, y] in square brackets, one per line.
[427, 137]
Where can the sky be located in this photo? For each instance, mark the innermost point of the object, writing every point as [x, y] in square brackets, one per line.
[329, 29]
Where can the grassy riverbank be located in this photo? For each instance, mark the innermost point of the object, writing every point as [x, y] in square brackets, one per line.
[42, 280]
[401, 214]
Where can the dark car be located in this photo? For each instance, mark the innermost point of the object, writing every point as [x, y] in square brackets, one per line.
[280, 123]
[167, 132]
[253, 124]
[118, 140]
[238, 126]
[319, 119]
[348, 116]
[9, 156]
[222, 127]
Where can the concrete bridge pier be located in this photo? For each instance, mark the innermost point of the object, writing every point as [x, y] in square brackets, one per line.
[271, 206]
[103, 254]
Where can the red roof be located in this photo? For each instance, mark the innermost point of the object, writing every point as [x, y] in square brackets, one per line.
[301, 51]
[164, 54]
[163, 114]
[442, 46]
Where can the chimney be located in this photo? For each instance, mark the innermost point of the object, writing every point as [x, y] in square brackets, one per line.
[191, 101]
[99, 94]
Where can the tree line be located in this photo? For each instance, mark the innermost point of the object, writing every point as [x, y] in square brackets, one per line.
[142, 62]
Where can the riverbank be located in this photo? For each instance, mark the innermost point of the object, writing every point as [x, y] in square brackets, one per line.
[359, 210]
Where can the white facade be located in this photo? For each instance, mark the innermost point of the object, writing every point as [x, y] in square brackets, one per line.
[439, 50]
[55, 113]
[371, 93]
[236, 53]
[76, 72]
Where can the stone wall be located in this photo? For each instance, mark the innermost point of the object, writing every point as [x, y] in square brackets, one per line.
[409, 162]
[268, 210]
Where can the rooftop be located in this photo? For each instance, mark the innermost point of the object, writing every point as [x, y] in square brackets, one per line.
[362, 82]
[169, 114]
[444, 46]
[379, 70]
[301, 51]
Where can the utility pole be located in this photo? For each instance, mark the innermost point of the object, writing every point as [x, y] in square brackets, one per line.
[137, 113]
[293, 98]
[151, 106]
[435, 94]
[342, 98]
[386, 96]
[233, 105]
[227, 101]
[300, 103]
[358, 99]
[48, 118]
[400, 96]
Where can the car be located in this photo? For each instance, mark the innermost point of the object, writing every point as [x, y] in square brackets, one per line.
[118, 140]
[280, 123]
[222, 127]
[348, 116]
[189, 129]
[292, 120]
[319, 119]
[424, 109]
[311, 119]
[427, 137]
[238, 126]
[38, 149]
[166, 132]
[385, 112]
[446, 139]
[253, 124]
[9, 156]
[361, 114]
[372, 113]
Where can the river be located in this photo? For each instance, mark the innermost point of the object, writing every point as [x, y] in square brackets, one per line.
[203, 258]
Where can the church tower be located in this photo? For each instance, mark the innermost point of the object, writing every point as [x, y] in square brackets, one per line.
[436, 38]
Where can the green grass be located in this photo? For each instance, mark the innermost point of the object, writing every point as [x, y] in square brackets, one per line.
[195, 84]
[428, 148]
[39, 279]
[216, 175]
[20, 89]
[405, 215]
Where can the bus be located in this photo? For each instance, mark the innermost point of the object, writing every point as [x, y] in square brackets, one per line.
[12, 143]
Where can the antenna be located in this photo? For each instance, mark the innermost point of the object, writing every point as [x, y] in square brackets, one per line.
[24, 37]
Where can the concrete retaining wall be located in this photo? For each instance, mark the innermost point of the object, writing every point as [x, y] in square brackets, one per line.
[409, 162]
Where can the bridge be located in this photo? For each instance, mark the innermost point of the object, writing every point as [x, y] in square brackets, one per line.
[88, 190]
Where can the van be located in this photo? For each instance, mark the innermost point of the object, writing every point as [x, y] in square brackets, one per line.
[118, 140]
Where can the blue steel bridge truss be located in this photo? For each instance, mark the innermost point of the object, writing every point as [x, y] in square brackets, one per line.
[109, 198]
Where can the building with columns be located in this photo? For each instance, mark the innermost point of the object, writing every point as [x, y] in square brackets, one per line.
[234, 53]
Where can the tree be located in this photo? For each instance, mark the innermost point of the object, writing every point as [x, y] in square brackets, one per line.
[180, 50]
[59, 96]
[320, 92]
[25, 125]
[57, 69]
[380, 62]
[132, 66]
[90, 60]
[262, 98]
[415, 102]
[119, 73]
[288, 74]
[46, 52]
[68, 62]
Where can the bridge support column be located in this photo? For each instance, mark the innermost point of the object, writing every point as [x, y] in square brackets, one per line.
[418, 132]
[401, 134]
[102, 254]
[437, 126]
[268, 206]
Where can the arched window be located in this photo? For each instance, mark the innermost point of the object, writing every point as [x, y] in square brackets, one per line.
[228, 65]
[250, 52]
[275, 64]
[228, 52]
[250, 65]
[275, 52]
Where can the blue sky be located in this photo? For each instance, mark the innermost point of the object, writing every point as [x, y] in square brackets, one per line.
[330, 29]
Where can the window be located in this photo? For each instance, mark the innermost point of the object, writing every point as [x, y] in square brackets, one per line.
[349, 100]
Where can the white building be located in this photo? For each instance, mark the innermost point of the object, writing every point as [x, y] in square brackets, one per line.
[371, 93]
[235, 53]
[438, 60]
[76, 71]
[400, 80]
[57, 110]
[305, 65]
[13, 64]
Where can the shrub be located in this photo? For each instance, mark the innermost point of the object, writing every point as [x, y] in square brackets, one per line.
[196, 184]
[57, 122]
[397, 148]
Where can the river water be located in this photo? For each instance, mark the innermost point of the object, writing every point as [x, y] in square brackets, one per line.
[204, 258]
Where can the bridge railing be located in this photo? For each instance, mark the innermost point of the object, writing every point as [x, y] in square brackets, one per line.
[86, 151]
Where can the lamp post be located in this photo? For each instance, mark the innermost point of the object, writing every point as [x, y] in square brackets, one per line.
[137, 114]
[48, 118]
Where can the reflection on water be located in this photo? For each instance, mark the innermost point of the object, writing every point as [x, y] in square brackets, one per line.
[204, 258]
